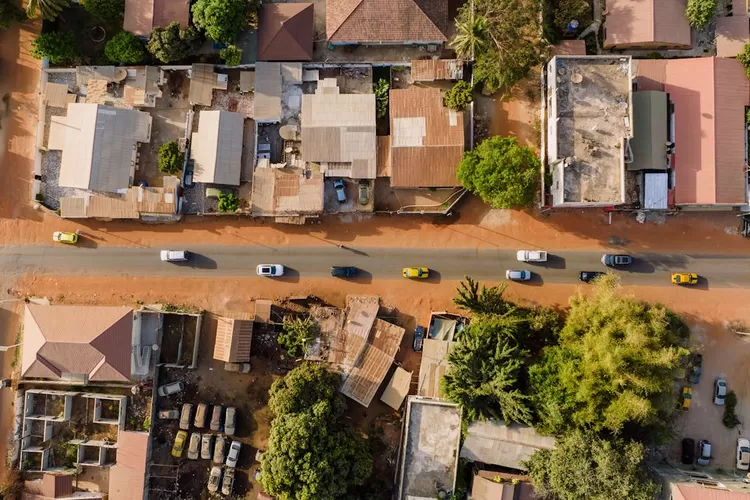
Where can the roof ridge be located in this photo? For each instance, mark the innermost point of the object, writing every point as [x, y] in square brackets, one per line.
[283, 28]
[109, 326]
[31, 307]
[429, 18]
[343, 21]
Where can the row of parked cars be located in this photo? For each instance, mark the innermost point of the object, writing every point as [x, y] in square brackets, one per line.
[704, 453]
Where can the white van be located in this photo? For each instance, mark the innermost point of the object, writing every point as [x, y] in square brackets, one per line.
[174, 255]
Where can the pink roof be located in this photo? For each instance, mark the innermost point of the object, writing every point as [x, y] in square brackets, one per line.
[685, 492]
[709, 94]
[50, 486]
[732, 33]
[77, 340]
[634, 22]
[127, 478]
[142, 16]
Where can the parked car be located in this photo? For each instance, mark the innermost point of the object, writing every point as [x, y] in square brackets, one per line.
[215, 418]
[704, 452]
[686, 398]
[418, 338]
[65, 237]
[684, 278]
[219, 449]
[531, 256]
[234, 454]
[174, 255]
[259, 454]
[340, 188]
[518, 274]
[688, 451]
[185, 414]
[214, 479]
[5, 383]
[200, 415]
[229, 420]
[169, 414]
[173, 388]
[364, 192]
[416, 272]
[226, 486]
[720, 391]
[206, 450]
[344, 271]
[195, 440]
[612, 260]
[179, 444]
[743, 453]
[271, 270]
[589, 276]
[696, 368]
[237, 367]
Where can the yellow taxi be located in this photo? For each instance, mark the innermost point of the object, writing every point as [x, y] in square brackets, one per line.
[179, 444]
[65, 237]
[684, 278]
[416, 273]
[686, 398]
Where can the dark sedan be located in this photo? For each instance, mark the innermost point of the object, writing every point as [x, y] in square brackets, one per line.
[688, 451]
[344, 271]
[589, 276]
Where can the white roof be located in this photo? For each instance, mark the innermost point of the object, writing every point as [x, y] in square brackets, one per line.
[267, 103]
[216, 148]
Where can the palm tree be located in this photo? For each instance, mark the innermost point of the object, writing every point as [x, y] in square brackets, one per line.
[49, 9]
[471, 37]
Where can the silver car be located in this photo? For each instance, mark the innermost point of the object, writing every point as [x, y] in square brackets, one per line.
[518, 274]
[219, 449]
[214, 479]
[226, 486]
[187, 411]
[234, 454]
[271, 270]
[720, 391]
[200, 416]
[195, 441]
[215, 418]
[206, 446]
[230, 416]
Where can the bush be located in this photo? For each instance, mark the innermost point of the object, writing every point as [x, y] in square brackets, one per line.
[173, 43]
[730, 418]
[567, 10]
[170, 158]
[228, 202]
[221, 20]
[107, 10]
[295, 331]
[700, 12]
[10, 14]
[232, 55]
[59, 48]
[381, 97]
[744, 58]
[125, 48]
[459, 96]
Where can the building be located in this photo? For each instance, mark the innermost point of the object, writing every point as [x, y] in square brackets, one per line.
[691, 484]
[646, 24]
[203, 82]
[127, 477]
[99, 145]
[495, 443]
[234, 338]
[142, 16]
[387, 22]
[490, 485]
[216, 148]
[427, 139]
[287, 192]
[397, 388]
[430, 70]
[433, 366]
[732, 34]
[285, 32]
[142, 87]
[709, 163]
[589, 124]
[55, 486]
[267, 104]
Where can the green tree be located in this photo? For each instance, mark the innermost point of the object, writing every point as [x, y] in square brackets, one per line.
[59, 48]
[700, 12]
[173, 43]
[587, 466]
[10, 14]
[504, 173]
[730, 417]
[125, 48]
[107, 10]
[481, 300]
[221, 20]
[48, 9]
[471, 36]
[170, 158]
[232, 55]
[294, 332]
[744, 58]
[381, 97]
[312, 452]
[459, 96]
[228, 202]
[567, 10]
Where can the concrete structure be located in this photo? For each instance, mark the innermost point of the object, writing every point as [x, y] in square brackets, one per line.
[142, 87]
[495, 443]
[142, 16]
[647, 24]
[203, 82]
[285, 32]
[216, 148]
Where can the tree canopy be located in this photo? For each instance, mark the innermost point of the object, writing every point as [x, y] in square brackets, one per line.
[10, 14]
[459, 96]
[125, 48]
[48, 9]
[221, 20]
[312, 453]
[173, 43]
[170, 158]
[700, 12]
[294, 332]
[107, 10]
[232, 55]
[501, 171]
[59, 48]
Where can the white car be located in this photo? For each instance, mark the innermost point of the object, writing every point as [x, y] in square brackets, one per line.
[234, 454]
[269, 270]
[214, 479]
[195, 441]
[174, 255]
[743, 453]
[704, 455]
[720, 391]
[531, 256]
[230, 418]
[173, 388]
[518, 274]
[206, 450]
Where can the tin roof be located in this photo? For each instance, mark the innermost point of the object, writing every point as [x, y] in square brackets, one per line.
[433, 366]
[203, 81]
[650, 111]
[216, 148]
[397, 388]
[233, 340]
[732, 33]
[128, 476]
[429, 70]
[639, 22]
[137, 201]
[494, 442]
[286, 191]
[286, 32]
[267, 101]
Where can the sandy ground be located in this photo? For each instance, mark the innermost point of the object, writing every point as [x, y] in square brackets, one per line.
[10, 320]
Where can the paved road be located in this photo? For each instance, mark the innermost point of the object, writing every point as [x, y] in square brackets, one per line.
[448, 264]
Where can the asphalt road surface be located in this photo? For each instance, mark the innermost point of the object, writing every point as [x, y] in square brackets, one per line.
[380, 263]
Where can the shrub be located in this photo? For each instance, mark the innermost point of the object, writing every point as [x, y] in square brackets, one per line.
[10, 14]
[567, 10]
[170, 158]
[381, 97]
[173, 43]
[700, 12]
[744, 58]
[730, 418]
[59, 48]
[459, 96]
[107, 10]
[232, 55]
[125, 48]
[228, 202]
[295, 331]
[221, 20]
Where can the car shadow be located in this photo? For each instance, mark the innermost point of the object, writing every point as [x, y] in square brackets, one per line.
[553, 262]
[435, 277]
[638, 266]
[363, 278]
[197, 261]
[536, 280]
[291, 275]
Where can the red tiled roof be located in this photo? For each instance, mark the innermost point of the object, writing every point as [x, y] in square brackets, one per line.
[142, 16]
[638, 22]
[128, 476]
[685, 492]
[286, 32]
[396, 21]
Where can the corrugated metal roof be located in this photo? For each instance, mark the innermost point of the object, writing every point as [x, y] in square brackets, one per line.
[433, 366]
[429, 70]
[732, 33]
[128, 476]
[233, 340]
[203, 81]
[696, 492]
[135, 202]
[85, 73]
[649, 131]
[56, 94]
[286, 191]
[656, 191]
[216, 148]
[363, 380]
[383, 156]
[494, 442]
[397, 388]
[647, 23]
[286, 32]
[267, 101]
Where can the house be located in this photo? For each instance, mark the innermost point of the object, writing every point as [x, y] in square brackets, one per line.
[387, 22]
[732, 34]
[142, 86]
[586, 151]
[287, 192]
[142, 16]
[430, 70]
[493, 442]
[427, 139]
[203, 81]
[234, 338]
[99, 145]
[216, 148]
[285, 32]
[709, 160]
[127, 477]
[646, 24]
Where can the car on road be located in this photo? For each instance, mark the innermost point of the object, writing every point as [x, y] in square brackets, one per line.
[531, 256]
[688, 451]
[363, 191]
[230, 418]
[684, 278]
[340, 188]
[418, 338]
[215, 418]
[173, 388]
[416, 272]
[743, 453]
[271, 270]
[696, 368]
[214, 479]
[179, 444]
[611, 260]
[169, 414]
[589, 276]
[704, 452]
[234, 454]
[185, 414]
[518, 274]
[200, 415]
[344, 271]
[206, 450]
[174, 255]
[686, 398]
[720, 391]
[219, 449]
[195, 440]
[226, 486]
[65, 237]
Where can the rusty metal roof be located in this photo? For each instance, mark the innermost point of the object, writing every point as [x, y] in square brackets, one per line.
[429, 70]
[233, 340]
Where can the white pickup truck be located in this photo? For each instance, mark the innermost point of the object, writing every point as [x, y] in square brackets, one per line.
[531, 256]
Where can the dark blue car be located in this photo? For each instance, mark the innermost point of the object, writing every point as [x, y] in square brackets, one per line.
[344, 271]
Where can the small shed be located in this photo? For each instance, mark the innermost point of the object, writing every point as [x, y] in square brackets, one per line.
[656, 191]
[233, 340]
[397, 389]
